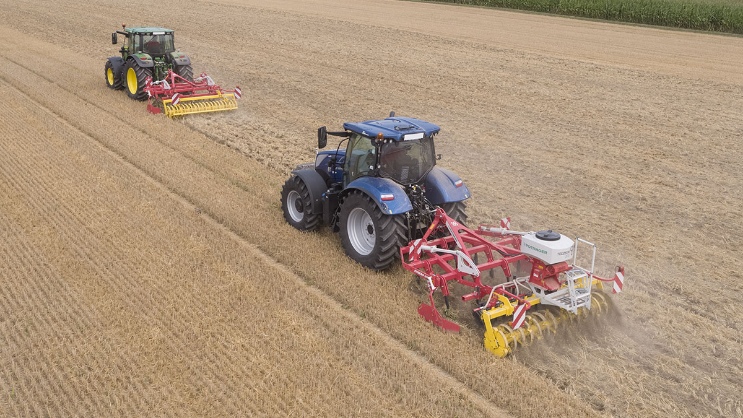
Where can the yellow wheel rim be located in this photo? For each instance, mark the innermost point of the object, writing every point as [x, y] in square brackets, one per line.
[131, 80]
[110, 76]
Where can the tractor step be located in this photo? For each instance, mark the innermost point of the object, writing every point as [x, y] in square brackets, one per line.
[575, 294]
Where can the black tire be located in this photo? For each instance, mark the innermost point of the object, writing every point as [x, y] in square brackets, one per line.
[456, 211]
[297, 205]
[113, 79]
[135, 78]
[185, 71]
[368, 236]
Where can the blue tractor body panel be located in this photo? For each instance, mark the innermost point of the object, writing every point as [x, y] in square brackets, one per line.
[322, 163]
[444, 186]
[388, 195]
[393, 128]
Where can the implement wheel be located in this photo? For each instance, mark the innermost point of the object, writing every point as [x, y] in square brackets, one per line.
[456, 211]
[135, 78]
[185, 71]
[113, 79]
[297, 205]
[370, 237]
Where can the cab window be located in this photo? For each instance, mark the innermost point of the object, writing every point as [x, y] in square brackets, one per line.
[360, 157]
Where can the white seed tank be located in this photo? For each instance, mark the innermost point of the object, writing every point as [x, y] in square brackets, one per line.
[547, 246]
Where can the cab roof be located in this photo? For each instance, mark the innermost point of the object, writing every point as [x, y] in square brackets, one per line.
[394, 128]
[148, 30]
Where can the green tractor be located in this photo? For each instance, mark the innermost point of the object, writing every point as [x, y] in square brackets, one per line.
[147, 52]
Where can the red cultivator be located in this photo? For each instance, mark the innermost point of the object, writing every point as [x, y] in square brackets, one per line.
[449, 251]
[177, 96]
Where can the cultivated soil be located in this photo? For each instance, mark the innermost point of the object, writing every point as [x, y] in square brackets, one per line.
[146, 269]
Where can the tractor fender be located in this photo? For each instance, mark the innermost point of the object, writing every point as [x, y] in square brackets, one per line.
[117, 65]
[388, 195]
[143, 60]
[180, 58]
[441, 187]
[315, 185]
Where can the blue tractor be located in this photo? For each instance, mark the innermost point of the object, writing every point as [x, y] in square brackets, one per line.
[379, 193]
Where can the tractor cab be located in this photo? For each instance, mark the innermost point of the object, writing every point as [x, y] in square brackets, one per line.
[156, 42]
[399, 149]
[152, 47]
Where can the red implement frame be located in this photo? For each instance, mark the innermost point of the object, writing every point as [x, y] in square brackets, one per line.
[174, 87]
[447, 251]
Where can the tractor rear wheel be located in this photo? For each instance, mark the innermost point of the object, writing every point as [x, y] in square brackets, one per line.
[135, 77]
[185, 71]
[368, 236]
[113, 79]
[456, 211]
[296, 204]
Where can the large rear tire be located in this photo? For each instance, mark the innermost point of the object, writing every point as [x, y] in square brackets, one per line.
[296, 204]
[185, 71]
[135, 78]
[113, 78]
[456, 211]
[368, 236]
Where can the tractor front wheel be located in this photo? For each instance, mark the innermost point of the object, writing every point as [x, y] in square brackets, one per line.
[297, 205]
[135, 77]
[368, 236]
[113, 78]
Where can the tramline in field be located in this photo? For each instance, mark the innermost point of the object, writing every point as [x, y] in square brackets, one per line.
[150, 68]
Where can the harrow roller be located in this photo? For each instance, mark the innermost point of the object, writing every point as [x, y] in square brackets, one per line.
[202, 104]
[502, 339]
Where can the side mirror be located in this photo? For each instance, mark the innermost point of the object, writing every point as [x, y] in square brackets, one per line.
[392, 114]
[322, 137]
[114, 38]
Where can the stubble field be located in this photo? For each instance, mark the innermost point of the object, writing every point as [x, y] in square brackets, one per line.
[145, 268]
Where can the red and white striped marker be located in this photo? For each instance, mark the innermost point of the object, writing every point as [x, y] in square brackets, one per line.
[238, 93]
[176, 99]
[618, 280]
[505, 223]
[518, 316]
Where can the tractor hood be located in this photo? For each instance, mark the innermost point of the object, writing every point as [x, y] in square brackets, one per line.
[397, 129]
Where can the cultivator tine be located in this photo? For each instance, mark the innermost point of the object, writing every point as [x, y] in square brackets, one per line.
[432, 315]
[202, 104]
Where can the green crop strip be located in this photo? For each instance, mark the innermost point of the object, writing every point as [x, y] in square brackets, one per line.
[708, 15]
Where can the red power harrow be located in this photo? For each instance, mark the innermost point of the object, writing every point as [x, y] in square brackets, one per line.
[449, 251]
[177, 96]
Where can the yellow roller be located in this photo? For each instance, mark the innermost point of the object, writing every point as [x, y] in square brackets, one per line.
[200, 104]
[502, 339]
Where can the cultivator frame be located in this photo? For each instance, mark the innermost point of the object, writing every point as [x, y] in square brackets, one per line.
[448, 252]
[177, 96]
